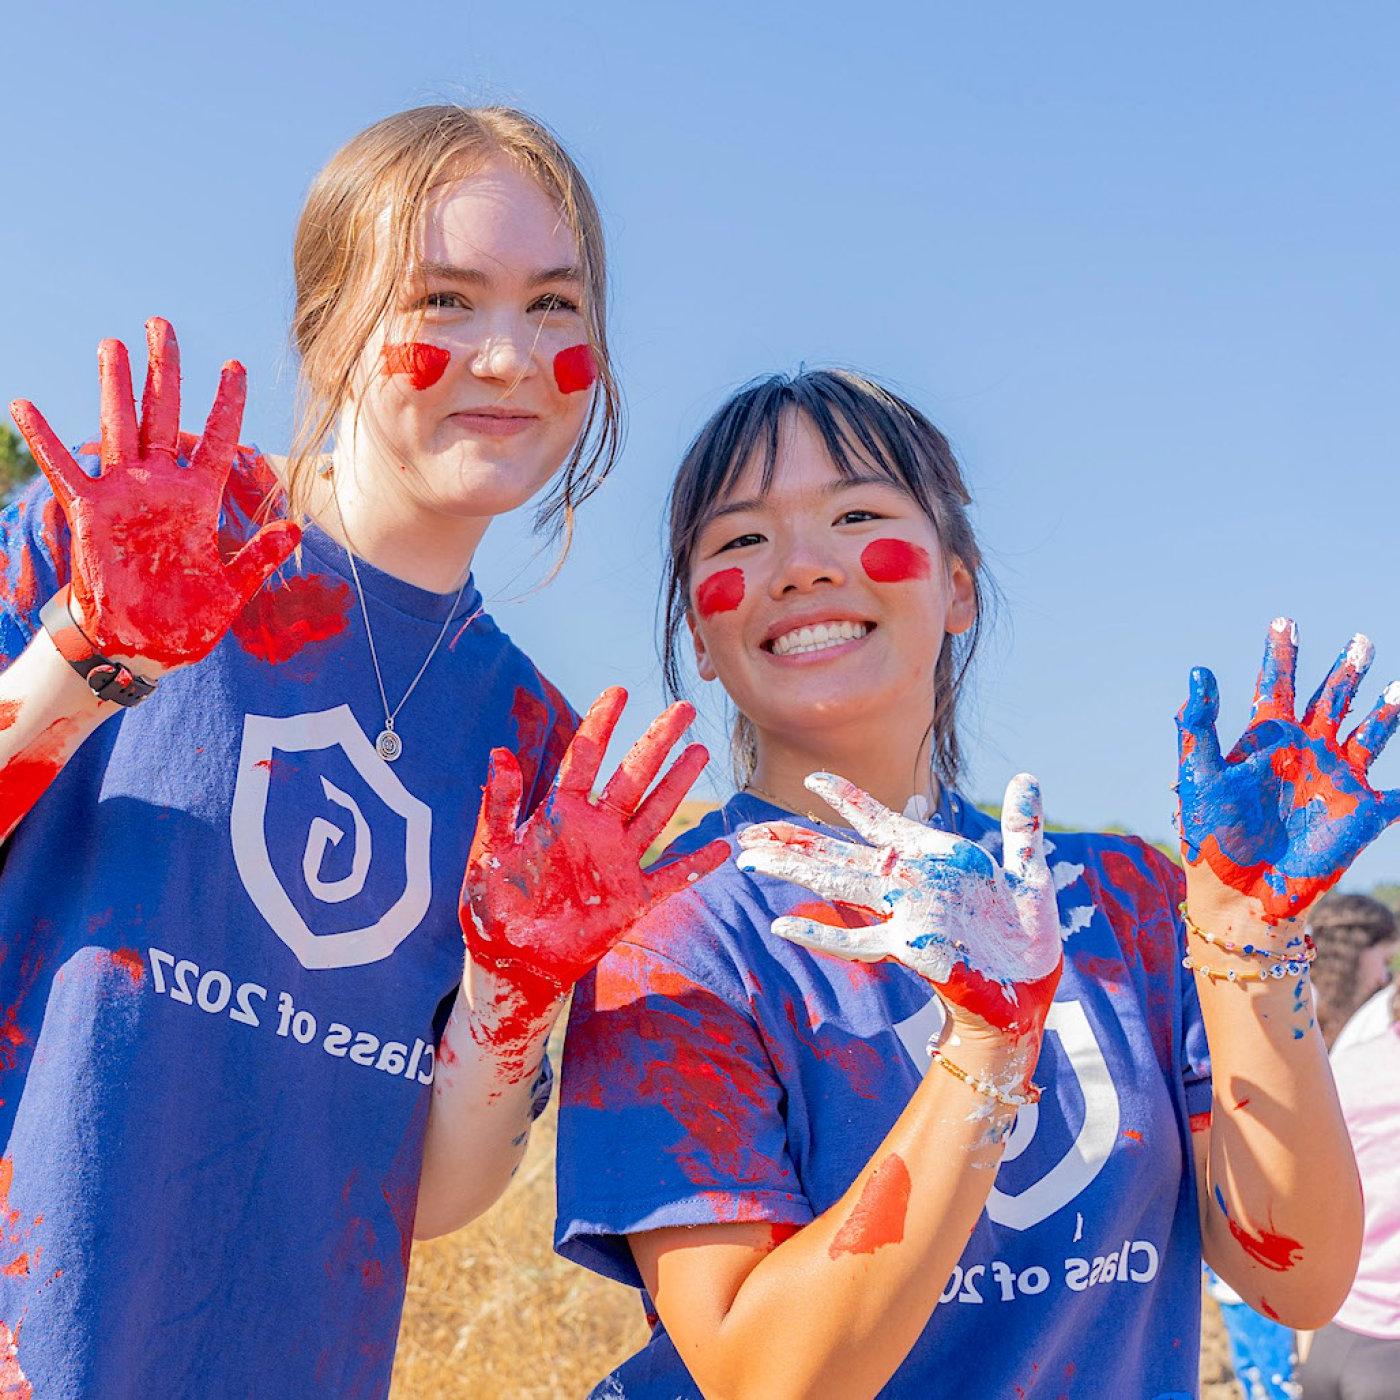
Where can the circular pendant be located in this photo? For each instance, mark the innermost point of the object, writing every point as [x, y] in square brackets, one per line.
[388, 745]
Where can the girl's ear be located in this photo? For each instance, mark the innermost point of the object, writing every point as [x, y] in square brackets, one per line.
[962, 600]
[703, 664]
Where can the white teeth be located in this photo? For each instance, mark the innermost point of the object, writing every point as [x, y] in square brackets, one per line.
[819, 637]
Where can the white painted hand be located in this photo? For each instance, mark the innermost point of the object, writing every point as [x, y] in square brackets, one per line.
[987, 938]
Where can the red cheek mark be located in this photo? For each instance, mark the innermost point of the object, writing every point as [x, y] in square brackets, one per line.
[575, 369]
[1276, 1252]
[895, 561]
[131, 963]
[878, 1217]
[281, 619]
[721, 592]
[1200, 1122]
[423, 363]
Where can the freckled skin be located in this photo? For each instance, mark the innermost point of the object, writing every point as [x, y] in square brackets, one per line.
[424, 364]
[575, 369]
[895, 561]
[720, 593]
[1284, 814]
[148, 574]
[543, 902]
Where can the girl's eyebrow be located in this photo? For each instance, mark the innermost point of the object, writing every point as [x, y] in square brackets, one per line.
[450, 272]
[845, 483]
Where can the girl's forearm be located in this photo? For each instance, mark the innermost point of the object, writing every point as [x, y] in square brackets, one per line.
[46, 711]
[1281, 1199]
[835, 1309]
[481, 1112]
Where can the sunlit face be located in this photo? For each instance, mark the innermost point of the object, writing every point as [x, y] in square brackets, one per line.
[478, 382]
[826, 602]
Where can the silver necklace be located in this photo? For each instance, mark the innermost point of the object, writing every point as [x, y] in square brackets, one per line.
[388, 745]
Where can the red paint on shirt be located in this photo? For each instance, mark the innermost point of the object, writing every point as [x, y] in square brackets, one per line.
[282, 618]
[895, 561]
[13, 1384]
[130, 962]
[1273, 1251]
[721, 592]
[575, 369]
[16, 1268]
[878, 1216]
[1132, 1134]
[424, 364]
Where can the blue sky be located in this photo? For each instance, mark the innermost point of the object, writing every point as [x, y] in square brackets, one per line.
[1140, 267]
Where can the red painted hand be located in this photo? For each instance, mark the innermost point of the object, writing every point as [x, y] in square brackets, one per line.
[543, 902]
[149, 582]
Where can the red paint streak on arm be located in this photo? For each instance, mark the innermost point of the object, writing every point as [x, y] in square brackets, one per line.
[1273, 1251]
[878, 1216]
[720, 593]
[27, 775]
[575, 369]
[895, 561]
[424, 364]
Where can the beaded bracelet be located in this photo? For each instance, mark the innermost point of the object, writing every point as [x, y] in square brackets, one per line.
[1294, 968]
[985, 1087]
[1250, 950]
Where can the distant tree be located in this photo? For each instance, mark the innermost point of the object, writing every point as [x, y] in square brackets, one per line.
[1389, 895]
[17, 465]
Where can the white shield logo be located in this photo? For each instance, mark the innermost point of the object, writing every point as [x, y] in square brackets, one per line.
[325, 729]
[1085, 1158]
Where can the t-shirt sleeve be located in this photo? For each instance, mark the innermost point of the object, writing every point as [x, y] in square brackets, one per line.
[670, 1111]
[1194, 1054]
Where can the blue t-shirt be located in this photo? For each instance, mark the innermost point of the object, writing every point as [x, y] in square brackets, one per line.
[714, 1072]
[228, 943]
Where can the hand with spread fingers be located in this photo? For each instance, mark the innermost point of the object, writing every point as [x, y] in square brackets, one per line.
[543, 902]
[150, 585]
[987, 937]
[1283, 814]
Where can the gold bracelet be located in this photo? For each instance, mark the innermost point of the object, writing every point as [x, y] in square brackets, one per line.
[1249, 950]
[985, 1087]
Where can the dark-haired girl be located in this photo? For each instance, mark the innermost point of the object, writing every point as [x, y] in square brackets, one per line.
[919, 1104]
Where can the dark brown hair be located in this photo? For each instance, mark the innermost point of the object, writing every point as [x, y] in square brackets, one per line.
[1344, 926]
[857, 418]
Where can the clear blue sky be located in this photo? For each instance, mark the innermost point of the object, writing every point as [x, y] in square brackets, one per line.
[1142, 268]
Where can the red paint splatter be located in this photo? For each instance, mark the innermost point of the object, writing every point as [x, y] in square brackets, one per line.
[1109, 973]
[1267, 1310]
[1200, 1122]
[13, 1384]
[423, 363]
[282, 618]
[1241, 1104]
[779, 1233]
[720, 593]
[130, 962]
[17, 1268]
[878, 1216]
[1024, 1009]
[1132, 1134]
[26, 777]
[895, 561]
[575, 369]
[9, 713]
[1273, 1251]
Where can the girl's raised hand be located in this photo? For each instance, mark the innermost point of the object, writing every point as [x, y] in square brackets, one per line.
[1282, 816]
[543, 902]
[987, 938]
[150, 584]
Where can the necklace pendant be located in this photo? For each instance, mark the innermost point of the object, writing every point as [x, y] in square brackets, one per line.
[388, 745]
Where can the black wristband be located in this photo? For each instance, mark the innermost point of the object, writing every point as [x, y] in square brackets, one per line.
[107, 679]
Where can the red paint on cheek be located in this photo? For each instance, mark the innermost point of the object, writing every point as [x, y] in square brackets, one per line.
[575, 369]
[721, 592]
[424, 364]
[895, 561]
[878, 1217]
[281, 619]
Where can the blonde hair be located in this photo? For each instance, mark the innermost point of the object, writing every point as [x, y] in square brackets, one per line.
[346, 282]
